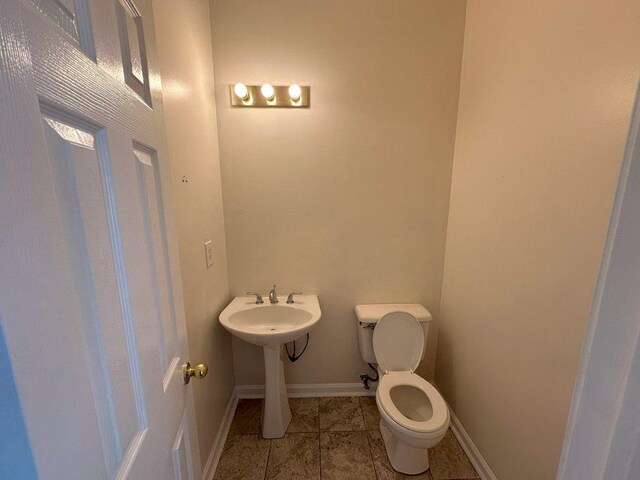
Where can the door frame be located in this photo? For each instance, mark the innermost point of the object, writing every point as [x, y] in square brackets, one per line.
[601, 438]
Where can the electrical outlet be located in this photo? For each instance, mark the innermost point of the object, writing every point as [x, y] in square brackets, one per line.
[208, 253]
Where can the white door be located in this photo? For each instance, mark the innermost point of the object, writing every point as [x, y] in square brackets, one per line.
[90, 297]
[602, 438]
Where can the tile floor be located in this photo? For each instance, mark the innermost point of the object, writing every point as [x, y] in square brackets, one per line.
[328, 438]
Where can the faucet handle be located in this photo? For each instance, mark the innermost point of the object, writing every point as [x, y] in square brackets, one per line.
[290, 297]
[258, 297]
[273, 295]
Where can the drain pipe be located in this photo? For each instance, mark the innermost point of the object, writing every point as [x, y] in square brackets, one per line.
[366, 378]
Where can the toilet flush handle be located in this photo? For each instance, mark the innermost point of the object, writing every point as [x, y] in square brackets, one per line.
[368, 325]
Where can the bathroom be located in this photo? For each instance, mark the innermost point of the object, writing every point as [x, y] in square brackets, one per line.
[463, 156]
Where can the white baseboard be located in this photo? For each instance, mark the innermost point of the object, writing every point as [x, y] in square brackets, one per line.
[478, 462]
[221, 437]
[303, 390]
[470, 449]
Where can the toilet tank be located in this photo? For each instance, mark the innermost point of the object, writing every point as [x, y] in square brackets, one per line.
[368, 315]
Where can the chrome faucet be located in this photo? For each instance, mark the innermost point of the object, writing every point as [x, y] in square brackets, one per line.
[273, 295]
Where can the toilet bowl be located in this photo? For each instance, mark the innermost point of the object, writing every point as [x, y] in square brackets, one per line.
[413, 414]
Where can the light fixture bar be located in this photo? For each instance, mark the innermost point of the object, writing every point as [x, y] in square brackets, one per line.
[284, 96]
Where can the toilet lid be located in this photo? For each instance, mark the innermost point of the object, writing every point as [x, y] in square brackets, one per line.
[398, 342]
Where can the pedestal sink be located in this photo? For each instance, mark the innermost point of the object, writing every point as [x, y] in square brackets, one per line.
[271, 326]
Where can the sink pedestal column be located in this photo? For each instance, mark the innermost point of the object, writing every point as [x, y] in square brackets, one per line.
[276, 414]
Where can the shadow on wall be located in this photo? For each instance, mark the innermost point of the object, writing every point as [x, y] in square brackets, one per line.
[445, 369]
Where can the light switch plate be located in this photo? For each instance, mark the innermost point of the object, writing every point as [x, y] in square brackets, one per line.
[208, 253]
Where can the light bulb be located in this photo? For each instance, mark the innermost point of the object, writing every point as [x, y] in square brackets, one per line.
[241, 90]
[267, 91]
[295, 92]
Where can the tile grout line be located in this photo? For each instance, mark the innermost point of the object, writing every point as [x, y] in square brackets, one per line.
[319, 448]
[266, 467]
[373, 463]
[366, 436]
[319, 440]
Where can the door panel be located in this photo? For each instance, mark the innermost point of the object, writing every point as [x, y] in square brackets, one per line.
[76, 169]
[72, 18]
[151, 202]
[91, 298]
[180, 455]
[133, 48]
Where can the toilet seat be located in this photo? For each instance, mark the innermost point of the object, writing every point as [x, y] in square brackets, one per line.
[398, 343]
[440, 416]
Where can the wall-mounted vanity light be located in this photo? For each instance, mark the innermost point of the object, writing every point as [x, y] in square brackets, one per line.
[267, 95]
[241, 91]
[268, 92]
[295, 92]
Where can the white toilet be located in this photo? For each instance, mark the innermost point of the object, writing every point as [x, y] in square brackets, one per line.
[414, 416]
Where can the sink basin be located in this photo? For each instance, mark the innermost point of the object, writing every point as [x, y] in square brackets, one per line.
[271, 326]
[268, 324]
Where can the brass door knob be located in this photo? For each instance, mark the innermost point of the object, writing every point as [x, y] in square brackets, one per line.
[198, 371]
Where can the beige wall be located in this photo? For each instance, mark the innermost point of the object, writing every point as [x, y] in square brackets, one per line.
[348, 199]
[184, 47]
[546, 96]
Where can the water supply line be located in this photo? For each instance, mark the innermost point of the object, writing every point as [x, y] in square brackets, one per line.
[366, 378]
[292, 356]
